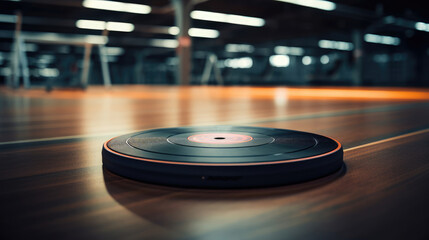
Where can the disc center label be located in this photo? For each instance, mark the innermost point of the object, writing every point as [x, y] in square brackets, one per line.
[220, 138]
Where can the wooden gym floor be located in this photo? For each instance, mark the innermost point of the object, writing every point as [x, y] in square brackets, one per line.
[52, 183]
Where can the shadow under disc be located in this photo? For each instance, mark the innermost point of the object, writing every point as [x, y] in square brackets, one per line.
[174, 205]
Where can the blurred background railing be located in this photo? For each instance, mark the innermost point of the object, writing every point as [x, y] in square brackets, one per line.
[229, 42]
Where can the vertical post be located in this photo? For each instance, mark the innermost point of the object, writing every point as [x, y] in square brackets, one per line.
[205, 78]
[24, 63]
[217, 72]
[211, 64]
[104, 65]
[138, 67]
[15, 52]
[86, 65]
[184, 53]
[357, 72]
[104, 61]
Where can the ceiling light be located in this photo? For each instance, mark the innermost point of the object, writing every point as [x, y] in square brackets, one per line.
[49, 72]
[173, 30]
[96, 39]
[114, 51]
[119, 26]
[166, 43]
[421, 26]
[204, 33]
[245, 62]
[196, 32]
[5, 18]
[319, 4]
[91, 24]
[101, 25]
[279, 60]
[239, 48]
[339, 45]
[117, 6]
[373, 38]
[307, 60]
[324, 59]
[297, 51]
[227, 18]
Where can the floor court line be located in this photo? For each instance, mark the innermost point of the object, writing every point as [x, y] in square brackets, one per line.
[259, 121]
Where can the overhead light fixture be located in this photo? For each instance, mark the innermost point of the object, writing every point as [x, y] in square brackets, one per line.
[165, 43]
[102, 25]
[96, 39]
[196, 32]
[119, 26]
[279, 60]
[91, 24]
[307, 60]
[204, 33]
[338, 45]
[174, 30]
[421, 26]
[297, 51]
[324, 59]
[239, 48]
[117, 6]
[319, 4]
[49, 72]
[244, 62]
[114, 51]
[227, 18]
[388, 40]
[6, 18]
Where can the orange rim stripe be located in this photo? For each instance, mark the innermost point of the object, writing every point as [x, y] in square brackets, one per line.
[223, 164]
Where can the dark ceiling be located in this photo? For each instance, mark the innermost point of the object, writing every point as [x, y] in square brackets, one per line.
[284, 21]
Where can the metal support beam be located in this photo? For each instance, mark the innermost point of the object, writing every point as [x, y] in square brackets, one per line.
[138, 67]
[211, 63]
[184, 50]
[357, 73]
[86, 65]
[14, 81]
[24, 63]
[104, 66]
[19, 63]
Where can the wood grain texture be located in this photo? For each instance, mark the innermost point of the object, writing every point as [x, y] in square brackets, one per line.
[52, 183]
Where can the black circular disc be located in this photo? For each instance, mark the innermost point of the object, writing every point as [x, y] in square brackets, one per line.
[222, 156]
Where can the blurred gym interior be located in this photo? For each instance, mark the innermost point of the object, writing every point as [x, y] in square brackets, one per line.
[76, 73]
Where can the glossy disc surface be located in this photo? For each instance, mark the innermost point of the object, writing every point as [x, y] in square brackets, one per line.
[222, 156]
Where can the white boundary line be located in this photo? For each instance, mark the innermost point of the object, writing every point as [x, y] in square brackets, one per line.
[388, 139]
[101, 135]
[61, 138]
[256, 121]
